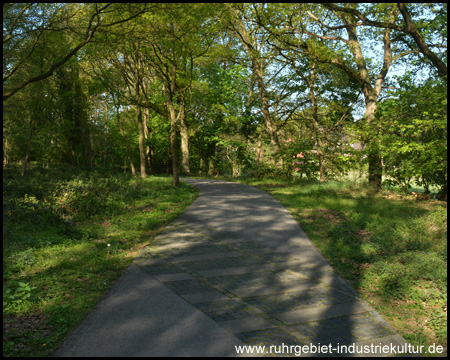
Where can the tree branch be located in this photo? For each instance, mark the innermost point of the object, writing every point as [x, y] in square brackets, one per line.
[412, 30]
[89, 34]
[409, 29]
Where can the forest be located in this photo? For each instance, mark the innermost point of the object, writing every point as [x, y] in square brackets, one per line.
[107, 106]
[296, 90]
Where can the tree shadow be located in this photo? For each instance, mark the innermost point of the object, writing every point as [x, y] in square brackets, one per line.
[338, 317]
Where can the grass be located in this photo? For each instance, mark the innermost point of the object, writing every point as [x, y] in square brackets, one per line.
[57, 225]
[67, 237]
[391, 248]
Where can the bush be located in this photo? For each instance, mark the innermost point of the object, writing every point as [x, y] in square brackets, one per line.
[83, 198]
[266, 170]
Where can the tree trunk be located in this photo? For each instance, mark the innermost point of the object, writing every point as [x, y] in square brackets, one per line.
[259, 152]
[30, 137]
[130, 159]
[105, 158]
[141, 142]
[202, 165]
[315, 121]
[173, 119]
[258, 69]
[370, 93]
[258, 72]
[5, 152]
[173, 142]
[375, 169]
[140, 128]
[203, 159]
[127, 141]
[321, 168]
[373, 156]
[146, 134]
[148, 153]
[185, 170]
[212, 166]
[30, 134]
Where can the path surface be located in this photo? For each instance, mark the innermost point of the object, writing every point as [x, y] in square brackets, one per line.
[234, 269]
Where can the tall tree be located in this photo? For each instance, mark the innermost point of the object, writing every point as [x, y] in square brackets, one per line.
[359, 68]
[26, 27]
[134, 61]
[325, 95]
[177, 36]
[252, 38]
[424, 39]
[125, 136]
[73, 112]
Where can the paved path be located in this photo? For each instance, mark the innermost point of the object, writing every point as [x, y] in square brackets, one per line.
[234, 269]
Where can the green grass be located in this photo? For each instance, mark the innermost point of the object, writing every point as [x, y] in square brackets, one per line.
[67, 237]
[391, 248]
[57, 225]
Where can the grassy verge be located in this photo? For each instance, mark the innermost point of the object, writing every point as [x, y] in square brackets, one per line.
[391, 248]
[67, 237]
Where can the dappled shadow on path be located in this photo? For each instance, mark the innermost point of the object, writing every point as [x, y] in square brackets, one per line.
[316, 307]
[234, 269]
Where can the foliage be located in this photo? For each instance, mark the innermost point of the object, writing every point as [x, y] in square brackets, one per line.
[57, 30]
[83, 198]
[236, 126]
[15, 294]
[413, 134]
[328, 143]
[247, 79]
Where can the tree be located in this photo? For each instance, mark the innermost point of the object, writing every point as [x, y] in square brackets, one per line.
[304, 51]
[234, 132]
[412, 133]
[135, 79]
[109, 85]
[28, 27]
[252, 38]
[72, 103]
[323, 124]
[124, 58]
[175, 39]
[412, 28]
[190, 87]
[358, 67]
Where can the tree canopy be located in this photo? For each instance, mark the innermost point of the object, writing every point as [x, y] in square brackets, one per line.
[295, 89]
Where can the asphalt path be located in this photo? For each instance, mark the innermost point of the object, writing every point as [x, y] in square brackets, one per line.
[235, 269]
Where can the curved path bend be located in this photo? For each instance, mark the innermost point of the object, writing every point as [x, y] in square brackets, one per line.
[235, 269]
